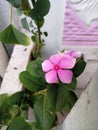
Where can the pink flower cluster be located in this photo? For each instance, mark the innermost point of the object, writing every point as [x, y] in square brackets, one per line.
[58, 67]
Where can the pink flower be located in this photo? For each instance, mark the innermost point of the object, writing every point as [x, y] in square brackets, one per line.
[74, 54]
[58, 67]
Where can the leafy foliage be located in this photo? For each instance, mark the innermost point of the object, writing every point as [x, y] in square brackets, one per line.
[11, 107]
[32, 83]
[40, 23]
[62, 97]
[43, 112]
[79, 67]
[46, 99]
[12, 36]
[25, 24]
[18, 124]
[35, 68]
[3, 97]
[41, 8]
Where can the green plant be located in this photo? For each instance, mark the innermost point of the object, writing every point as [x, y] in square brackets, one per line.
[45, 95]
[36, 11]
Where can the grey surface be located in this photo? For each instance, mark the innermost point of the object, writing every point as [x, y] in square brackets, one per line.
[84, 115]
[9, 49]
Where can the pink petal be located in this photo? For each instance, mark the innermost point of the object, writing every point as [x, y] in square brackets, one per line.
[51, 77]
[74, 54]
[47, 66]
[55, 59]
[65, 76]
[67, 62]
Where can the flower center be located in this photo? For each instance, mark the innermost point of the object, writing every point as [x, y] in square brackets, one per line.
[56, 67]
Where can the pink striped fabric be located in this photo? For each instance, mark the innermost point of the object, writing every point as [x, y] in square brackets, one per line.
[76, 32]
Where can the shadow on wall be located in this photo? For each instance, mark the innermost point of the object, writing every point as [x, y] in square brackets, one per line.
[9, 49]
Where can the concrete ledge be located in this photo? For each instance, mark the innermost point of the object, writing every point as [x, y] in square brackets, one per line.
[3, 60]
[84, 115]
[17, 64]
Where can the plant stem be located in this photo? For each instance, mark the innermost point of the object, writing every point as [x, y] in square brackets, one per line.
[39, 32]
[39, 36]
[11, 14]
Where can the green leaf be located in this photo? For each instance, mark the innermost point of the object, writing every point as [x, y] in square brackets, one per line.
[46, 34]
[72, 100]
[79, 67]
[19, 104]
[25, 24]
[14, 111]
[15, 99]
[52, 96]
[62, 97]
[59, 96]
[72, 85]
[15, 3]
[43, 110]
[31, 83]
[35, 68]
[3, 97]
[34, 38]
[19, 12]
[5, 116]
[31, 23]
[34, 16]
[40, 23]
[33, 125]
[68, 107]
[12, 36]
[41, 8]
[19, 124]
[9, 109]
